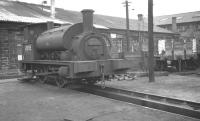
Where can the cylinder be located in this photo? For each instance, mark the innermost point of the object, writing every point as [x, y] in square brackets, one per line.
[87, 20]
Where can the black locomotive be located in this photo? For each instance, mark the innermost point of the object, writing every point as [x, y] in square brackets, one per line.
[73, 53]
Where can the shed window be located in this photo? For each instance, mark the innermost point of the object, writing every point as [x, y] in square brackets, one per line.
[164, 19]
[182, 28]
[198, 27]
[179, 18]
[196, 16]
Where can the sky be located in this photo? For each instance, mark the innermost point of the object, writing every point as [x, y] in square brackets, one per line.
[116, 8]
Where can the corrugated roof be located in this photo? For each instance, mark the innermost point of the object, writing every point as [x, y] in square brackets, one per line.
[14, 18]
[19, 12]
[181, 18]
[33, 13]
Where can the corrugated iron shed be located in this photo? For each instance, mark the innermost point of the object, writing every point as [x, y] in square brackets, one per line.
[181, 18]
[23, 19]
[13, 11]
[32, 13]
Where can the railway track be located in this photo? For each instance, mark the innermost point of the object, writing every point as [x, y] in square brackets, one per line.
[177, 106]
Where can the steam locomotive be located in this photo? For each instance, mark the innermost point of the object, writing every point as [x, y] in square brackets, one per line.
[73, 54]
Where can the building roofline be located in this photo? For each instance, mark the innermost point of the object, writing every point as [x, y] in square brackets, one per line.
[177, 13]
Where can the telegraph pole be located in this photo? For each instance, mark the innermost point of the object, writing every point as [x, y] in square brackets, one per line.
[151, 42]
[127, 25]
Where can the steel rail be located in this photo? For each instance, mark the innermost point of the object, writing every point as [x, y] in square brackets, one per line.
[177, 106]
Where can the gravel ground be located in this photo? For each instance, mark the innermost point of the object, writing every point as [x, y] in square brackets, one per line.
[175, 86]
[37, 102]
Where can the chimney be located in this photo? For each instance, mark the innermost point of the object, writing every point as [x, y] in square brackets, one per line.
[50, 25]
[87, 20]
[174, 25]
[52, 8]
[140, 17]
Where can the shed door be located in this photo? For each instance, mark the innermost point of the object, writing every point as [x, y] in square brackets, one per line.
[4, 49]
[9, 49]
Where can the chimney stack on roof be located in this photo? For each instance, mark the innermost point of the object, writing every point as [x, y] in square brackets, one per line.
[174, 25]
[87, 20]
[140, 17]
[52, 8]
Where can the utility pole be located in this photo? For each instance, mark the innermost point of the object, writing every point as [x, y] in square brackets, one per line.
[151, 42]
[140, 38]
[127, 25]
[53, 9]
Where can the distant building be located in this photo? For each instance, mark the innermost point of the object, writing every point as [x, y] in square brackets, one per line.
[188, 26]
[14, 15]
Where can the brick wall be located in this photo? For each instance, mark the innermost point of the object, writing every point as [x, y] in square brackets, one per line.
[4, 49]
[9, 40]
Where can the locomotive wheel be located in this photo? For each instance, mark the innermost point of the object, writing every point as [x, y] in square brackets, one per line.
[42, 79]
[33, 79]
[60, 82]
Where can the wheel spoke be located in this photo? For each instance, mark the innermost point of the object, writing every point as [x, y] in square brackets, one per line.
[60, 82]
